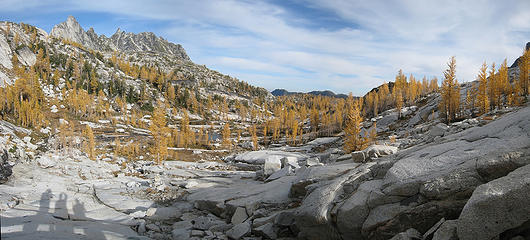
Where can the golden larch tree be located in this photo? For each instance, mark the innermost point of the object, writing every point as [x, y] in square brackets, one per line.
[159, 131]
[450, 92]
[226, 136]
[90, 144]
[482, 93]
[354, 141]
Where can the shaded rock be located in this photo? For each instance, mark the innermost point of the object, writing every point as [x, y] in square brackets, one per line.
[215, 207]
[494, 166]
[205, 222]
[377, 197]
[438, 130]
[267, 231]
[358, 156]
[429, 234]
[421, 217]
[141, 227]
[382, 214]
[239, 230]
[264, 220]
[447, 231]
[500, 205]
[352, 213]
[280, 173]
[284, 219]
[307, 176]
[240, 215]
[314, 215]
[410, 234]
[5, 168]
[182, 225]
[180, 234]
[153, 227]
[221, 227]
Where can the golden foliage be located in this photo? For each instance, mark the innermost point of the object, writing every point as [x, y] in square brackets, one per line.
[354, 141]
[450, 92]
[159, 131]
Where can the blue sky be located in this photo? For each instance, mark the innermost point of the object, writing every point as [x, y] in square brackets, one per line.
[341, 45]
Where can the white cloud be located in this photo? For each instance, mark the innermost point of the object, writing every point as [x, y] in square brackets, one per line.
[241, 37]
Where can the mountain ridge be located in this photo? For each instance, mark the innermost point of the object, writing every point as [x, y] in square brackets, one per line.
[282, 92]
[120, 41]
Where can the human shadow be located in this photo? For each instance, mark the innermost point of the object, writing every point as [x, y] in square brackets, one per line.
[44, 208]
[22, 222]
[79, 214]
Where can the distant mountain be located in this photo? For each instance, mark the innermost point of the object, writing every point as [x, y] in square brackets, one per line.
[327, 93]
[147, 49]
[120, 41]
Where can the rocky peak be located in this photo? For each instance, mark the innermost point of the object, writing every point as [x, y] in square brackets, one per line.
[72, 31]
[120, 41]
[145, 42]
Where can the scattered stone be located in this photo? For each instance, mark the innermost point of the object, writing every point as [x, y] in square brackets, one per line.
[45, 162]
[267, 231]
[141, 227]
[205, 222]
[180, 234]
[153, 227]
[271, 165]
[313, 161]
[377, 151]
[263, 220]
[163, 213]
[239, 230]
[240, 215]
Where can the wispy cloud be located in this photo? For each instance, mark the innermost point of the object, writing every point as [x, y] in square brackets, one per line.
[293, 46]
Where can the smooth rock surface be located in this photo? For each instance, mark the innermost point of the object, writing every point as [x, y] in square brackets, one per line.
[501, 204]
